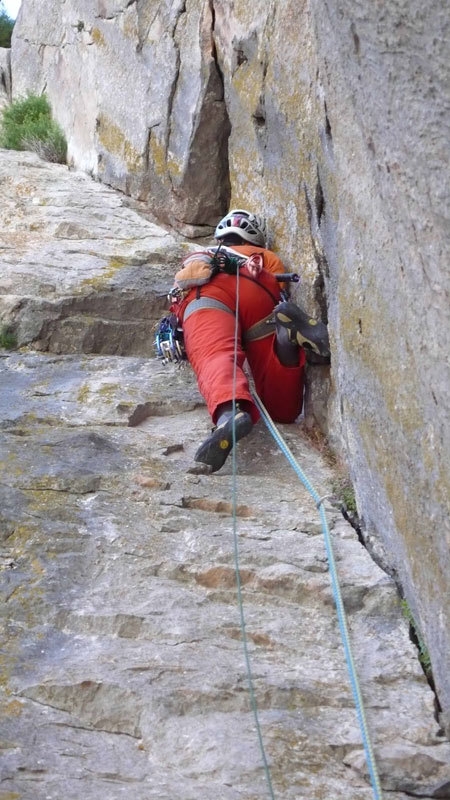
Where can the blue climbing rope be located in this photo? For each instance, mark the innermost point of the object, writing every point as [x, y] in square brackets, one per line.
[337, 598]
[375, 781]
[236, 563]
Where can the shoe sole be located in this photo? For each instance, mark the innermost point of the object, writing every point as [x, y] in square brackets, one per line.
[308, 332]
[215, 450]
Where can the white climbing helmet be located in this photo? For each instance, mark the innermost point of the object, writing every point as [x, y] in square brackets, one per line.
[245, 224]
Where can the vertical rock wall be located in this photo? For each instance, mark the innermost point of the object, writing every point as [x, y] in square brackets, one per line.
[385, 73]
[5, 77]
[332, 119]
[136, 89]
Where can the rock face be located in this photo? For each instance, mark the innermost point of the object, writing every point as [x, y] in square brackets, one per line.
[123, 671]
[115, 289]
[389, 287]
[161, 134]
[5, 77]
[332, 119]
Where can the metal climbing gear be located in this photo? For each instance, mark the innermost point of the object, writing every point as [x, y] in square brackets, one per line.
[169, 342]
[224, 262]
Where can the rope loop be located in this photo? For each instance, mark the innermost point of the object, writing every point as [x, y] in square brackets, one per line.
[322, 500]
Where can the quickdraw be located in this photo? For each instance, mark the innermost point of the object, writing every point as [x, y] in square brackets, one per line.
[169, 342]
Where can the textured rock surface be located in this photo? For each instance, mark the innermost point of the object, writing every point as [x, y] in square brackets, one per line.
[123, 642]
[146, 113]
[82, 272]
[387, 89]
[336, 116]
[123, 670]
[5, 77]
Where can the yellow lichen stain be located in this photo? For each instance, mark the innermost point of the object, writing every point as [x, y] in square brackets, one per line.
[83, 393]
[124, 407]
[158, 156]
[113, 139]
[24, 189]
[20, 537]
[361, 327]
[11, 467]
[21, 542]
[114, 264]
[294, 105]
[13, 708]
[244, 177]
[47, 502]
[10, 796]
[98, 37]
[37, 568]
[248, 85]
[244, 14]
[174, 168]
[29, 418]
[130, 28]
[278, 183]
[107, 389]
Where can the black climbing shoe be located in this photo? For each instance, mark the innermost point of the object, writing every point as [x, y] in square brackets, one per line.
[306, 331]
[217, 446]
[316, 361]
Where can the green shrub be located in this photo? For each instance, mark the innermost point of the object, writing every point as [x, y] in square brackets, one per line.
[6, 29]
[27, 124]
[8, 340]
[345, 494]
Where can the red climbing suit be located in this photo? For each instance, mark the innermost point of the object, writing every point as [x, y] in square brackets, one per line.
[209, 337]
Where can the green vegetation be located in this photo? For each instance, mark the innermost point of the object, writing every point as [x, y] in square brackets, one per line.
[8, 340]
[6, 28]
[424, 656]
[27, 124]
[345, 494]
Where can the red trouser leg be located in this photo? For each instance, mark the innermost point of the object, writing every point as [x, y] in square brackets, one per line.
[209, 336]
[280, 388]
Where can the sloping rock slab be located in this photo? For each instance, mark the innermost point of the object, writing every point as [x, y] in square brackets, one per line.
[81, 271]
[123, 669]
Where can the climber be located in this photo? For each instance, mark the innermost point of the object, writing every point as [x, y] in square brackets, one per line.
[273, 335]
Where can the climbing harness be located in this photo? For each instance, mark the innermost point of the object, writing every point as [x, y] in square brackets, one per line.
[169, 341]
[205, 302]
[265, 327]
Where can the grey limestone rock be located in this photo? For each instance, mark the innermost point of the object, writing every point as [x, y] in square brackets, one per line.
[123, 668]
